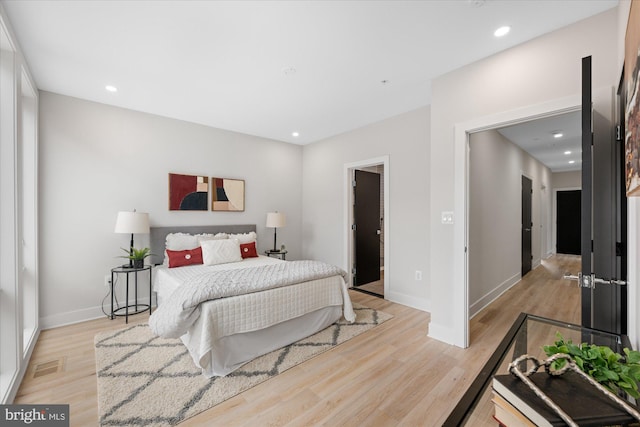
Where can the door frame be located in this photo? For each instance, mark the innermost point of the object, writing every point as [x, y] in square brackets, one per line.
[348, 244]
[460, 285]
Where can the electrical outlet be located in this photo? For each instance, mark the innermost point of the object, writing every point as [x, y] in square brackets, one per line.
[107, 280]
[418, 275]
[447, 217]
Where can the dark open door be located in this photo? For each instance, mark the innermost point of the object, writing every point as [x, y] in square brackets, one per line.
[367, 227]
[568, 222]
[527, 225]
[604, 301]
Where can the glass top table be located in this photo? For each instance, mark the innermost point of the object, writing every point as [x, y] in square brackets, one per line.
[527, 336]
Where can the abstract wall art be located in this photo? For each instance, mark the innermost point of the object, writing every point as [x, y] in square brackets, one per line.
[188, 192]
[227, 195]
[631, 88]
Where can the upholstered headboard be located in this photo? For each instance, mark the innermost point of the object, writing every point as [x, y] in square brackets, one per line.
[158, 235]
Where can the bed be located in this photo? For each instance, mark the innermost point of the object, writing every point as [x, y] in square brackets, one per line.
[227, 331]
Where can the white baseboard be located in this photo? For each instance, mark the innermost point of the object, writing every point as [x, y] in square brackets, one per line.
[409, 301]
[13, 380]
[443, 333]
[494, 294]
[77, 316]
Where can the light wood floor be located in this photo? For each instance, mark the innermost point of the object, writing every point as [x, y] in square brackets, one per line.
[393, 375]
[376, 287]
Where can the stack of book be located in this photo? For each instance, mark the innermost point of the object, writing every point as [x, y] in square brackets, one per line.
[516, 404]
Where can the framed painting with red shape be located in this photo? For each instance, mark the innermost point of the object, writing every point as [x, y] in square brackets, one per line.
[188, 192]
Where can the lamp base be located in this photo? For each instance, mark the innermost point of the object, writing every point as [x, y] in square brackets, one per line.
[131, 252]
[275, 234]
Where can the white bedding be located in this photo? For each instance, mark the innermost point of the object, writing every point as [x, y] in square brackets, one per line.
[166, 280]
[231, 331]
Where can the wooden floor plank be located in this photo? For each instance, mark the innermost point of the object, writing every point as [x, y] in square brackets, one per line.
[393, 375]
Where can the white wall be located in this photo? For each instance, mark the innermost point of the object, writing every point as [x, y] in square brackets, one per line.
[534, 73]
[405, 138]
[96, 160]
[571, 179]
[495, 213]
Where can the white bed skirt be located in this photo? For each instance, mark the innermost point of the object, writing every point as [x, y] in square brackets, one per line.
[231, 352]
[232, 331]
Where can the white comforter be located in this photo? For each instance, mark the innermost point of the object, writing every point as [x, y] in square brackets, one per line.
[174, 317]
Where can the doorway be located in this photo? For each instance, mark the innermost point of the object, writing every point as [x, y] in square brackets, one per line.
[375, 280]
[367, 229]
[568, 221]
[460, 289]
[461, 179]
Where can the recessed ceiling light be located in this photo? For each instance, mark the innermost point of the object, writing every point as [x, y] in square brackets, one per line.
[502, 31]
[571, 162]
[295, 134]
[110, 88]
[567, 152]
[558, 135]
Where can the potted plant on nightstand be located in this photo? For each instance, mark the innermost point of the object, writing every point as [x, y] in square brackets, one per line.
[137, 256]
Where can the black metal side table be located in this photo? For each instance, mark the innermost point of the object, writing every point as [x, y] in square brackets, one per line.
[281, 254]
[138, 308]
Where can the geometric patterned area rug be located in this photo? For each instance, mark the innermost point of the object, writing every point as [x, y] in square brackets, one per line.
[145, 380]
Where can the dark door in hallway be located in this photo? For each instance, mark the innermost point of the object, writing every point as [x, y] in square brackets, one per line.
[367, 227]
[527, 225]
[603, 208]
[568, 222]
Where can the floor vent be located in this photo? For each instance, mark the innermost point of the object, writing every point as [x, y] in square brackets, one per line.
[46, 368]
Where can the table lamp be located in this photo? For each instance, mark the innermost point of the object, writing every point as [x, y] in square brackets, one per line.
[132, 223]
[275, 220]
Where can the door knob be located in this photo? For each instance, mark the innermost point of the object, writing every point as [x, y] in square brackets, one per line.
[590, 280]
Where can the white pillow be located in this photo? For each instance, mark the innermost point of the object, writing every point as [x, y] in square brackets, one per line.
[204, 236]
[245, 237]
[220, 251]
[181, 241]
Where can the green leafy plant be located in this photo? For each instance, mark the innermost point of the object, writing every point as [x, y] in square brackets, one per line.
[612, 370]
[136, 254]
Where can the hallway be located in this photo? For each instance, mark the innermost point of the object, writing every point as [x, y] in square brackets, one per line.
[542, 292]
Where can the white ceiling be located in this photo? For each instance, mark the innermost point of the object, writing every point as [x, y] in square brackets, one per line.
[220, 63]
[536, 137]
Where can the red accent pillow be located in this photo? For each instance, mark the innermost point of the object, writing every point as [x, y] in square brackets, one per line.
[248, 250]
[186, 257]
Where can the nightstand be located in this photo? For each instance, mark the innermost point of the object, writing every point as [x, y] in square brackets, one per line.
[281, 254]
[138, 308]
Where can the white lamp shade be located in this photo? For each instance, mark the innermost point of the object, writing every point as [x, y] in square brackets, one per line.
[276, 220]
[132, 223]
